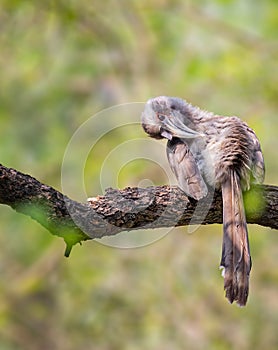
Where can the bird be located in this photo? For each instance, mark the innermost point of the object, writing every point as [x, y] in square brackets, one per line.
[206, 150]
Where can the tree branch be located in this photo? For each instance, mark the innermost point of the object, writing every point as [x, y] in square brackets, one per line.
[124, 210]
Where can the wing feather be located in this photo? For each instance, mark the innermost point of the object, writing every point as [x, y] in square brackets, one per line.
[186, 169]
[257, 168]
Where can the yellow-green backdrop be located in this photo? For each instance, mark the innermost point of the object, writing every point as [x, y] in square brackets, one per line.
[63, 61]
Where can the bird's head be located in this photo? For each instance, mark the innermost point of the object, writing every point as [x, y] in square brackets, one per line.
[168, 117]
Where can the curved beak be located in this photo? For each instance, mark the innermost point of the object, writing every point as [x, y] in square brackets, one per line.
[166, 134]
[173, 127]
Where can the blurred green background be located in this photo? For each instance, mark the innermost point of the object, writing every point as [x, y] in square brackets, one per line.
[63, 61]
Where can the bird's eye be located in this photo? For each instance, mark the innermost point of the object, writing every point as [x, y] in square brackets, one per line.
[161, 117]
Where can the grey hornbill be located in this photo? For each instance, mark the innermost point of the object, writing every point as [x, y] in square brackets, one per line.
[222, 152]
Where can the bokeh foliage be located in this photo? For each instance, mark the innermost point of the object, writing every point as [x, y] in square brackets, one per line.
[63, 61]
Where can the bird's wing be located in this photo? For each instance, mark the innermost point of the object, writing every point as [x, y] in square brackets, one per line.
[258, 164]
[185, 169]
[258, 168]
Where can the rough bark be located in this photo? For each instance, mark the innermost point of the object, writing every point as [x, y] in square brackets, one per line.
[124, 210]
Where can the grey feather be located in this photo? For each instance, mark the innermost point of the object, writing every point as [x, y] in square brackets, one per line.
[185, 169]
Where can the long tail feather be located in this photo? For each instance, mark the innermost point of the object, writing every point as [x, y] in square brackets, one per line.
[236, 260]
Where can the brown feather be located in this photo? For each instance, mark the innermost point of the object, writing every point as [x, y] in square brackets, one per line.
[184, 166]
[236, 259]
